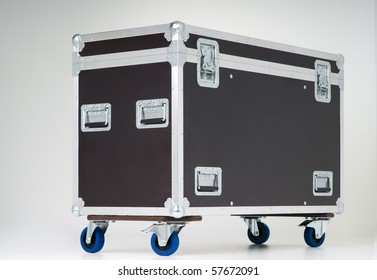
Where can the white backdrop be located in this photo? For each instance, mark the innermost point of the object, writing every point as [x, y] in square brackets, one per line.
[36, 123]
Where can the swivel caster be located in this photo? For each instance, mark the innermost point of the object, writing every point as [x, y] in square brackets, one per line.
[170, 248]
[165, 240]
[92, 238]
[314, 234]
[310, 238]
[257, 232]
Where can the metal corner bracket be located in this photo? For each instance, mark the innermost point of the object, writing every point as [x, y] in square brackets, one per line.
[178, 28]
[177, 211]
[77, 46]
[77, 43]
[340, 62]
[77, 206]
[340, 205]
[177, 51]
[340, 65]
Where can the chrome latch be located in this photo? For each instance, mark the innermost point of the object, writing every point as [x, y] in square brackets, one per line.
[152, 113]
[322, 183]
[322, 81]
[95, 117]
[208, 63]
[208, 181]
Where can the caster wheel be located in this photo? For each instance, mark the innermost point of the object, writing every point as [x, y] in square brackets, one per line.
[169, 248]
[264, 234]
[97, 242]
[310, 239]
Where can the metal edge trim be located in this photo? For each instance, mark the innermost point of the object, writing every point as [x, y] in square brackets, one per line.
[123, 59]
[226, 210]
[341, 109]
[75, 140]
[264, 67]
[125, 33]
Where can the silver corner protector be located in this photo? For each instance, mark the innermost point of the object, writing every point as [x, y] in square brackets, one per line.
[77, 44]
[77, 206]
[177, 53]
[177, 211]
[340, 62]
[340, 65]
[341, 79]
[340, 205]
[177, 27]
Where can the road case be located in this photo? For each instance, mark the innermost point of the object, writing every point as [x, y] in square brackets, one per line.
[174, 122]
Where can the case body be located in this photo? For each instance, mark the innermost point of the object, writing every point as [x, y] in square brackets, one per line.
[177, 120]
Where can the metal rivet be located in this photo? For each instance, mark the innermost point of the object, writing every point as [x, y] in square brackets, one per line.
[231, 76]
[304, 86]
[304, 202]
[231, 203]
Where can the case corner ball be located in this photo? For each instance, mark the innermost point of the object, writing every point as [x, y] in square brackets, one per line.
[77, 43]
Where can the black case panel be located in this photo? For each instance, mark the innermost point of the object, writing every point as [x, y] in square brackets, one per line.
[126, 166]
[125, 44]
[267, 133]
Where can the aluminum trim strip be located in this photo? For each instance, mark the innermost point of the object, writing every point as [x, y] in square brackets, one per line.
[228, 210]
[263, 210]
[177, 188]
[75, 139]
[124, 33]
[123, 59]
[341, 199]
[264, 67]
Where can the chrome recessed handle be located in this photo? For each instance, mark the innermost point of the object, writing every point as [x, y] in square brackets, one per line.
[152, 113]
[96, 117]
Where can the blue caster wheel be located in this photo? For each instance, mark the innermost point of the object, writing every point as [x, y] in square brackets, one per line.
[170, 248]
[264, 234]
[311, 239]
[97, 242]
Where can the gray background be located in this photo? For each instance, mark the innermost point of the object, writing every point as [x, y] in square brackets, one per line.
[36, 162]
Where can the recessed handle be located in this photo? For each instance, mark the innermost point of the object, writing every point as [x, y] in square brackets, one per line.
[152, 113]
[208, 181]
[95, 117]
[322, 183]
